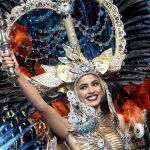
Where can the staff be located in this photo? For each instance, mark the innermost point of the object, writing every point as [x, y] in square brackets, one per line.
[4, 44]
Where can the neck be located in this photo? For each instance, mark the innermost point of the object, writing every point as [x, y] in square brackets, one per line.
[98, 109]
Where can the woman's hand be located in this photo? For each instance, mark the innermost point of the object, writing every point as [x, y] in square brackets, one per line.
[9, 61]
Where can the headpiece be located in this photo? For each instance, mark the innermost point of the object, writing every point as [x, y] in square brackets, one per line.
[76, 65]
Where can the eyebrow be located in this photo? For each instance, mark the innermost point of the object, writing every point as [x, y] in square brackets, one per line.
[85, 84]
[95, 81]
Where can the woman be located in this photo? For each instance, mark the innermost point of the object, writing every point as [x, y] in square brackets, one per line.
[86, 126]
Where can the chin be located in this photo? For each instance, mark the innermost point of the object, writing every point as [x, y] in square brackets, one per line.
[94, 104]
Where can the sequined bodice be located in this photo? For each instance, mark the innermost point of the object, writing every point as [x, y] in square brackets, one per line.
[93, 131]
[114, 138]
[104, 137]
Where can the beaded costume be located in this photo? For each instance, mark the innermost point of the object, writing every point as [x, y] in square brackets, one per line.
[67, 44]
[92, 130]
[105, 136]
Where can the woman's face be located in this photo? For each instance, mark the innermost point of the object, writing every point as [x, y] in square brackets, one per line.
[89, 90]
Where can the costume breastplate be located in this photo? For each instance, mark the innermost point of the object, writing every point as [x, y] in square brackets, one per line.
[104, 137]
[113, 137]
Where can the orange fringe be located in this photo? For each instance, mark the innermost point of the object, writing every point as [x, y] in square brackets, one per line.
[132, 109]
[19, 35]
[132, 113]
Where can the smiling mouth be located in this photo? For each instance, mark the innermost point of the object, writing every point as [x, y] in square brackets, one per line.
[92, 97]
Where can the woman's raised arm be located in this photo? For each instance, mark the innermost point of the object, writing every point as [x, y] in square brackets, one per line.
[58, 124]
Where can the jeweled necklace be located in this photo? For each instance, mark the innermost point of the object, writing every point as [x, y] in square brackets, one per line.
[82, 116]
[85, 125]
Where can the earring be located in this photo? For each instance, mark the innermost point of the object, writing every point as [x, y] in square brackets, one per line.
[74, 101]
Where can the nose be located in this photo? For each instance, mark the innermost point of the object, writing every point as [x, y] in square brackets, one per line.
[91, 89]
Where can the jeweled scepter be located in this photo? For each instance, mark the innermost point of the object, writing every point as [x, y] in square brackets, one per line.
[65, 9]
[4, 44]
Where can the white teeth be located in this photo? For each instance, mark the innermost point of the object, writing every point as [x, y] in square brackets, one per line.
[92, 98]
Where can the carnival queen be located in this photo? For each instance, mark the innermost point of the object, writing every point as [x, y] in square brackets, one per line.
[86, 127]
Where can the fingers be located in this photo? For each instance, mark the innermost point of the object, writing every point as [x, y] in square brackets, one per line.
[8, 65]
[4, 54]
[14, 59]
[7, 61]
[7, 58]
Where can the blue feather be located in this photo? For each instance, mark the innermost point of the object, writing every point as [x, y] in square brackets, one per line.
[14, 139]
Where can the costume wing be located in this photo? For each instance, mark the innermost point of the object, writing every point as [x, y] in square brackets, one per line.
[136, 19]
